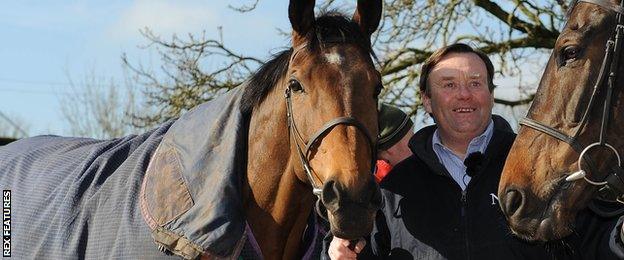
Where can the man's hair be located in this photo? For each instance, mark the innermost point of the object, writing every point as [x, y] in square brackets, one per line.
[438, 55]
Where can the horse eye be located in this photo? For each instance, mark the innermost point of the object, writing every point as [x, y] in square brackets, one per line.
[570, 53]
[295, 86]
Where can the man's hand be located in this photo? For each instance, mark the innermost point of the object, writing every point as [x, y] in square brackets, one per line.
[339, 249]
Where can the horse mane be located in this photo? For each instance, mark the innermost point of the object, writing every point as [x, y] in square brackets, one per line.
[330, 27]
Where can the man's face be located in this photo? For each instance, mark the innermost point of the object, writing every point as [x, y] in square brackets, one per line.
[398, 152]
[459, 100]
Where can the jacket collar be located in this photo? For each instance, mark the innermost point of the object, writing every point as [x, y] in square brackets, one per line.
[421, 144]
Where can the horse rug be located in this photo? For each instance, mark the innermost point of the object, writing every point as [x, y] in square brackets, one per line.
[175, 188]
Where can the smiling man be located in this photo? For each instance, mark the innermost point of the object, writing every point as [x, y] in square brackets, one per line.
[457, 93]
[440, 203]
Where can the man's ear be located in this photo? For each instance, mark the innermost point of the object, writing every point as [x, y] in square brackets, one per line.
[426, 100]
[383, 155]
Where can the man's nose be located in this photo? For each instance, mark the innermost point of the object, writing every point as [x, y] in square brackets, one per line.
[463, 91]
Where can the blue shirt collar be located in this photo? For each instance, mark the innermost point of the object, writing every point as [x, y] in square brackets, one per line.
[477, 144]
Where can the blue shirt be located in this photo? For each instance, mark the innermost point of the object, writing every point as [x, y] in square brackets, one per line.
[453, 163]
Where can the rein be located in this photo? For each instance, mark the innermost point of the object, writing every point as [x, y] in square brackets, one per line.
[613, 185]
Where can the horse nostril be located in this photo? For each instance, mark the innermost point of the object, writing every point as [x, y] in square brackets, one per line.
[512, 202]
[330, 195]
[333, 194]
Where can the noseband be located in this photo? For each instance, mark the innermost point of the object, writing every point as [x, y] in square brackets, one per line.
[614, 182]
[327, 127]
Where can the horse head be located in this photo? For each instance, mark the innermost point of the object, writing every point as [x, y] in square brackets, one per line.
[317, 117]
[333, 88]
[559, 158]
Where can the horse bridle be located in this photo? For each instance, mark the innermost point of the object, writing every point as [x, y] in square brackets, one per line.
[615, 181]
[326, 128]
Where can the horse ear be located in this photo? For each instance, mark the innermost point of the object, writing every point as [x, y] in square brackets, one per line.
[368, 15]
[301, 15]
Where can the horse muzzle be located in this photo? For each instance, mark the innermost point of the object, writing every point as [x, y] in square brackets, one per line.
[533, 219]
[351, 215]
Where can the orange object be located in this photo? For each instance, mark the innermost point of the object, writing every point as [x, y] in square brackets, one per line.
[383, 168]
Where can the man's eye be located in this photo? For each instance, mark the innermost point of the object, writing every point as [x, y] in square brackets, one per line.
[449, 85]
[475, 84]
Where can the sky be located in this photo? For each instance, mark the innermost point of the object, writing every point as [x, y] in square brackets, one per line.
[45, 44]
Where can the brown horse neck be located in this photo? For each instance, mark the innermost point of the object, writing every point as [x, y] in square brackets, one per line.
[278, 223]
[276, 202]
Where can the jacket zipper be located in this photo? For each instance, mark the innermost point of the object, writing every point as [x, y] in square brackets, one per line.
[465, 222]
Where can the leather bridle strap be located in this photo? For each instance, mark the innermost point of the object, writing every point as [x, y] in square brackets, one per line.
[607, 60]
[550, 131]
[614, 181]
[326, 128]
[606, 4]
[339, 121]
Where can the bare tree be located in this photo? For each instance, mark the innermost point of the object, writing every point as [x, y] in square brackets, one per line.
[186, 84]
[510, 30]
[99, 108]
[513, 32]
[12, 127]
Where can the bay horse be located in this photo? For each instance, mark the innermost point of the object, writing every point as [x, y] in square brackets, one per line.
[568, 147]
[248, 164]
[330, 75]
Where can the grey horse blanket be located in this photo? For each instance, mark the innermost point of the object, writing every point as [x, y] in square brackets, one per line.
[175, 188]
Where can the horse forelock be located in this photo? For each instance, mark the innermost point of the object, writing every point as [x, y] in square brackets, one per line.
[573, 3]
[331, 27]
[570, 8]
[334, 27]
